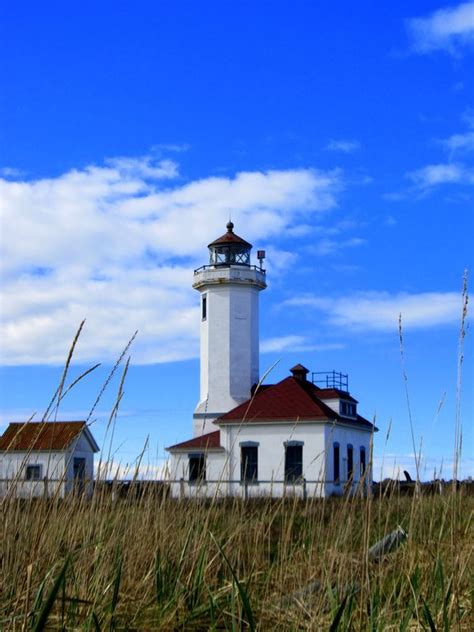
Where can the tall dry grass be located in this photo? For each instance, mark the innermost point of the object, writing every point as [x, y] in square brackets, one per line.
[153, 563]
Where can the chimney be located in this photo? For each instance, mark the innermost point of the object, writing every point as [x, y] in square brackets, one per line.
[299, 372]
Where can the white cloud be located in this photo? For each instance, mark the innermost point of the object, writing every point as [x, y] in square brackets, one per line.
[178, 148]
[380, 311]
[116, 244]
[282, 343]
[10, 172]
[295, 343]
[117, 470]
[459, 142]
[447, 29]
[393, 466]
[468, 117]
[346, 146]
[463, 142]
[144, 167]
[444, 173]
[332, 246]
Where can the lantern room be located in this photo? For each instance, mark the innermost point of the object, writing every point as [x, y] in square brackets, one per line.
[230, 249]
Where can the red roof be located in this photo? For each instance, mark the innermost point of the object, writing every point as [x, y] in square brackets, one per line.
[229, 238]
[292, 399]
[209, 441]
[335, 393]
[298, 368]
[49, 435]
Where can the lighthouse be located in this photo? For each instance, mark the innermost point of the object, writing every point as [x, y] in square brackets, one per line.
[229, 288]
[293, 437]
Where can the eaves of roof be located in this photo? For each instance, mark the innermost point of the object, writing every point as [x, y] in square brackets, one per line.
[211, 442]
[44, 436]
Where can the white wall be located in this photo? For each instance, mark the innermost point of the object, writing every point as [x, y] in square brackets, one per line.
[215, 470]
[229, 357]
[271, 438]
[13, 469]
[80, 449]
[318, 440]
[333, 403]
[225, 466]
[345, 435]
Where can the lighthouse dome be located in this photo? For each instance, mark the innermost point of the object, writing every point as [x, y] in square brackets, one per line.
[229, 249]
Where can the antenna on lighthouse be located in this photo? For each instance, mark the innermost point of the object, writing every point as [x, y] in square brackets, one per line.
[261, 257]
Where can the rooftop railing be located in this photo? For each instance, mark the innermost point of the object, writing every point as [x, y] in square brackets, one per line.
[214, 266]
[331, 379]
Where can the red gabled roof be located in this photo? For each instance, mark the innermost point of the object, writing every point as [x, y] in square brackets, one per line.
[292, 399]
[229, 238]
[49, 435]
[209, 441]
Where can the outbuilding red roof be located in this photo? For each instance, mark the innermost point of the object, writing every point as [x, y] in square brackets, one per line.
[209, 441]
[292, 399]
[229, 238]
[49, 435]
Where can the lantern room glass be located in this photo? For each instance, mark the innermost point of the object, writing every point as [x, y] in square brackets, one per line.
[229, 254]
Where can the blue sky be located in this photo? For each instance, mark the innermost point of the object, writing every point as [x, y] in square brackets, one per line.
[340, 138]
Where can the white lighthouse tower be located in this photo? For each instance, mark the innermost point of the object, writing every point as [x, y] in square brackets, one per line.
[229, 287]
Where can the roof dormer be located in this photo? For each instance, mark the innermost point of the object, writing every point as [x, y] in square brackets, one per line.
[348, 408]
[335, 392]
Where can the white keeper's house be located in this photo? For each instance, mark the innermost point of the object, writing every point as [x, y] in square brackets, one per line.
[47, 458]
[293, 437]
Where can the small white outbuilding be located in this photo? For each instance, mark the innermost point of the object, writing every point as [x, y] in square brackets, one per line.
[47, 459]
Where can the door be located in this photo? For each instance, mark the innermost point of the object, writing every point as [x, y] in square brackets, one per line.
[79, 474]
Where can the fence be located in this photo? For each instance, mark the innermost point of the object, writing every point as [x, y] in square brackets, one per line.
[46, 487]
[180, 488]
[302, 487]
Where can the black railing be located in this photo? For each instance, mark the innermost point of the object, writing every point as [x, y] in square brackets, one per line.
[331, 379]
[228, 265]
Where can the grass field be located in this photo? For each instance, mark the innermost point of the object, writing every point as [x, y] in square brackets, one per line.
[153, 563]
[157, 564]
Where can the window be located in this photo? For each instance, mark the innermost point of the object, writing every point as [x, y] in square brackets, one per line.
[197, 468]
[362, 461]
[335, 457]
[249, 463]
[33, 472]
[347, 409]
[350, 462]
[293, 461]
[230, 254]
[204, 307]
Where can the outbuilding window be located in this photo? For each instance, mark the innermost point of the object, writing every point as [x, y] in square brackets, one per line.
[197, 468]
[249, 463]
[33, 472]
[336, 462]
[293, 461]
